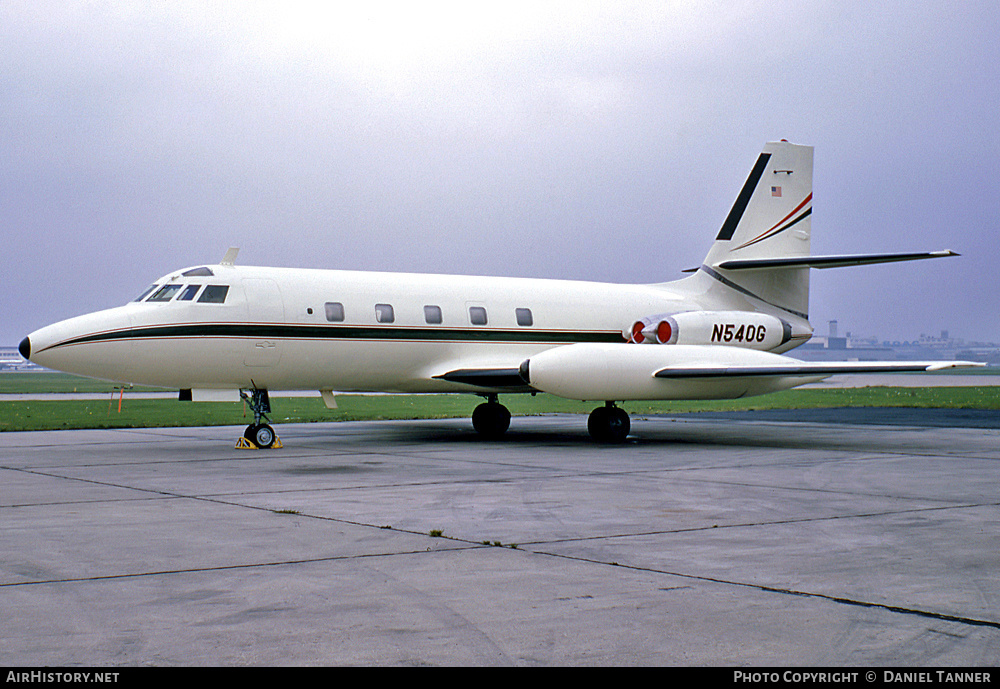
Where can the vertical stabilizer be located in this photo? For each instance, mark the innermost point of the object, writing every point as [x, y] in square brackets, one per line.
[770, 219]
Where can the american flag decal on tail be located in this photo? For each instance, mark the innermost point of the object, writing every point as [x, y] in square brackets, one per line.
[782, 224]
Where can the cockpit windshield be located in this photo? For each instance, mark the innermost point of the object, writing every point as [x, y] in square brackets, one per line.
[145, 293]
[211, 294]
[189, 292]
[165, 293]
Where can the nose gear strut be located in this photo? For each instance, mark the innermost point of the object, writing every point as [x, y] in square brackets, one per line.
[259, 435]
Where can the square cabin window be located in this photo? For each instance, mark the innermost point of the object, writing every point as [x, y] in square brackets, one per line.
[432, 314]
[524, 317]
[334, 311]
[384, 313]
[477, 315]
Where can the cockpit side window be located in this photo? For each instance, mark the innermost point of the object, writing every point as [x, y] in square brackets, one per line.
[214, 294]
[165, 293]
[189, 292]
[145, 293]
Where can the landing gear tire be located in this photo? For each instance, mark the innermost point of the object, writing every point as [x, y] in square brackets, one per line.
[491, 420]
[609, 424]
[260, 435]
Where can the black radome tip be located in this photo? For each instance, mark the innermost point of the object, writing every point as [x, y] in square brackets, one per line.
[25, 348]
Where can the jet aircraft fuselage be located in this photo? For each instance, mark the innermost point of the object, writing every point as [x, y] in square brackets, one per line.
[720, 332]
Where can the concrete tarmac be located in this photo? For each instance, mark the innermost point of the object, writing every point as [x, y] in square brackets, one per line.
[704, 540]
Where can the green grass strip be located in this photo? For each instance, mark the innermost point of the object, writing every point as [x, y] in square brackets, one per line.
[30, 415]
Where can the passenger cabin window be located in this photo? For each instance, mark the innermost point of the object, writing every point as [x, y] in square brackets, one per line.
[524, 317]
[432, 314]
[477, 315]
[214, 294]
[384, 313]
[145, 293]
[189, 292]
[165, 293]
[334, 311]
[202, 272]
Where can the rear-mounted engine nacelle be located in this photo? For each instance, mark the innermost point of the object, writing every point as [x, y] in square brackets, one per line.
[654, 330]
[732, 328]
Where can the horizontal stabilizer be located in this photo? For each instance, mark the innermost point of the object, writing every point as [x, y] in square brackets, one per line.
[807, 369]
[828, 261]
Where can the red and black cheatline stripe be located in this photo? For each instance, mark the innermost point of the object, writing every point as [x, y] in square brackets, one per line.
[743, 290]
[785, 223]
[286, 331]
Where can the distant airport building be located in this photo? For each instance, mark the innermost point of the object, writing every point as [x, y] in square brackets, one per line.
[833, 347]
[11, 360]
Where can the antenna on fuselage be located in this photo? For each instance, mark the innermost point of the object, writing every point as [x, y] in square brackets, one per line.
[230, 257]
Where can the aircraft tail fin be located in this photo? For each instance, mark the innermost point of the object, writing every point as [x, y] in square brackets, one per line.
[762, 252]
[771, 219]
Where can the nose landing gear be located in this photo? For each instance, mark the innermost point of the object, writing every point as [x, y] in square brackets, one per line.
[258, 435]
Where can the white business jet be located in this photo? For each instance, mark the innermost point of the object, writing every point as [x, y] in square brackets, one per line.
[718, 333]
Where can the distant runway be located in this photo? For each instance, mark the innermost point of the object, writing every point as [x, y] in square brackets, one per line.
[802, 538]
[846, 381]
[908, 380]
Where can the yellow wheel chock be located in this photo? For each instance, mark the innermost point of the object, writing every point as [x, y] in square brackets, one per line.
[244, 444]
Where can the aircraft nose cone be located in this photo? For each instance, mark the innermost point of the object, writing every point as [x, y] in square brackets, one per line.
[25, 348]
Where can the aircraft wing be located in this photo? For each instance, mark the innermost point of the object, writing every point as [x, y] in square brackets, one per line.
[797, 368]
[508, 379]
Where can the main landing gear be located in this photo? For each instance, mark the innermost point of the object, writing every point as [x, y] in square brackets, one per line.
[259, 435]
[491, 419]
[609, 424]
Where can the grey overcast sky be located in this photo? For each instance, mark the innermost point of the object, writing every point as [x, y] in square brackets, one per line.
[584, 140]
